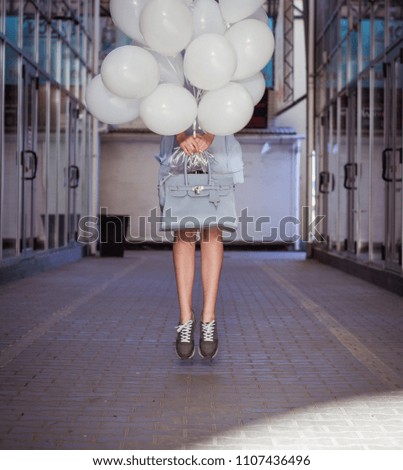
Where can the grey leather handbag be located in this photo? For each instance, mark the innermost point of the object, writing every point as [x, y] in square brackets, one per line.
[199, 201]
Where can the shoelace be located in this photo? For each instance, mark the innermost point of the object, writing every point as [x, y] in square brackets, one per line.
[185, 331]
[208, 331]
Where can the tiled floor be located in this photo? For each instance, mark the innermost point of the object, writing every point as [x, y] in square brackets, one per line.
[310, 358]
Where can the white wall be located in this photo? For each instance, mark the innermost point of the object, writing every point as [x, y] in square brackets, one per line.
[271, 187]
[128, 175]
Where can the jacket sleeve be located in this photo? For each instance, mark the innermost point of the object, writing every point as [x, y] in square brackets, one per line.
[235, 161]
[166, 149]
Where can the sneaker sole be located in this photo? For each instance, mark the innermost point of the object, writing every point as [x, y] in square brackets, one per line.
[207, 357]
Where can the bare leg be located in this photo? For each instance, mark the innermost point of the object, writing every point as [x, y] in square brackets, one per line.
[212, 252]
[184, 263]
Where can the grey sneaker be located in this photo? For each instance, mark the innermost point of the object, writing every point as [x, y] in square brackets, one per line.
[208, 346]
[185, 345]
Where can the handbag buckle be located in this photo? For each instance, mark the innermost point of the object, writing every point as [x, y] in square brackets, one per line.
[197, 189]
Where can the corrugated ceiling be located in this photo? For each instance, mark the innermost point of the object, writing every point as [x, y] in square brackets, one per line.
[271, 6]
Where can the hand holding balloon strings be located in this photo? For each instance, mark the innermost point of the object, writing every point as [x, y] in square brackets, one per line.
[192, 152]
[192, 144]
[204, 141]
[188, 143]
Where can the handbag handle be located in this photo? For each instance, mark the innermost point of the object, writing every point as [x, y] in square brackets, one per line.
[210, 176]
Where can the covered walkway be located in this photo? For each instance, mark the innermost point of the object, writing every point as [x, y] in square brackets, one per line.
[310, 358]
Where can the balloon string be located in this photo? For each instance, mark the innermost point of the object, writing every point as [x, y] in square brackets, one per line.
[172, 65]
[197, 92]
[198, 161]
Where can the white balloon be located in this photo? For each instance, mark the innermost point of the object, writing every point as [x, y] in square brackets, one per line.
[166, 26]
[107, 107]
[225, 111]
[126, 16]
[237, 10]
[169, 110]
[130, 72]
[253, 42]
[171, 68]
[256, 86]
[210, 61]
[261, 15]
[207, 18]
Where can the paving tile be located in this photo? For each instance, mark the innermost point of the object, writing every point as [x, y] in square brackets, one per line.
[87, 359]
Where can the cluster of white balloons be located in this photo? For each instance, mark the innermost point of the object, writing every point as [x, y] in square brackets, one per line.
[191, 59]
